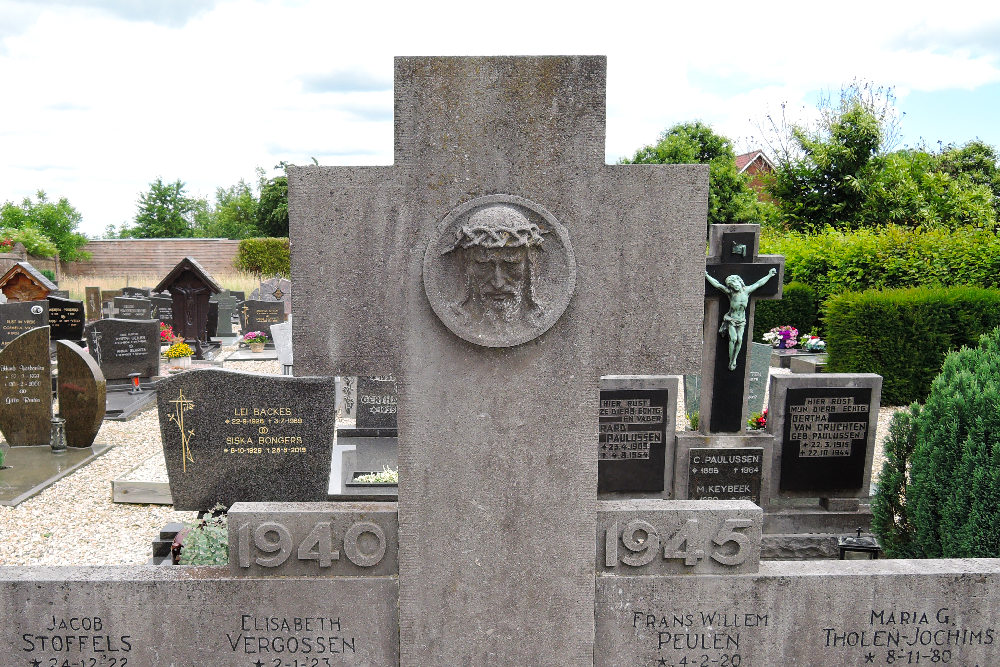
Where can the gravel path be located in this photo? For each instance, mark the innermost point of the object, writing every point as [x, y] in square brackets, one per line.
[74, 522]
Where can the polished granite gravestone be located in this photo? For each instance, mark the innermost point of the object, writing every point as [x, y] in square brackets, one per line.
[212, 324]
[82, 392]
[93, 301]
[260, 315]
[163, 309]
[274, 289]
[377, 402]
[635, 436]
[730, 473]
[66, 318]
[230, 437]
[124, 347]
[136, 292]
[133, 308]
[18, 317]
[26, 389]
[226, 304]
[496, 438]
[760, 365]
[108, 301]
[30, 470]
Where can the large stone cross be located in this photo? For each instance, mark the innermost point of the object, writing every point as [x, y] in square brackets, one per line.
[735, 277]
[498, 269]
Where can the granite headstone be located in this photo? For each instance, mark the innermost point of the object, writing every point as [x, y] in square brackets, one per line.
[133, 308]
[377, 399]
[260, 315]
[760, 364]
[26, 389]
[93, 301]
[163, 309]
[275, 289]
[123, 347]
[136, 292]
[66, 318]
[725, 473]
[230, 436]
[82, 392]
[18, 317]
[283, 344]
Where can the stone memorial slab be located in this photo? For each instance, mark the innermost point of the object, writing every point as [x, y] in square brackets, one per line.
[826, 425]
[275, 289]
[29, 470]
[238, 295]
[344, 539]
[527, 137]
[725, 473]
[260, 315]
[18, 317]
[26, 389]
[61, 293]
[283, 344]
[163, 309]
[656, 537]
[212, 324]
[204, 617]
[123, 347]
[227, 305]
[133, 308]
[231, 437]
[636, 434]
[66, 318]
[108, 301]
[136, 292]
[93, 301]
[82, 392]
[377, 402]
[760, 365]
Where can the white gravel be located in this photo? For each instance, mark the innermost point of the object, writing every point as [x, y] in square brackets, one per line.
[74, 522]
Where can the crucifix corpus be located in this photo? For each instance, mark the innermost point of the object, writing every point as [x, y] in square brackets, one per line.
[735, 277]
[498, 269]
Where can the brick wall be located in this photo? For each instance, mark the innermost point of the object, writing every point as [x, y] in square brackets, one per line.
[152, 256]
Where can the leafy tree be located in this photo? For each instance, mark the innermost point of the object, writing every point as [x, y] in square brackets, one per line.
[234, 215]
[730, 199]
[54, 221]
[272, 211]
[164, 212]
[977, 161]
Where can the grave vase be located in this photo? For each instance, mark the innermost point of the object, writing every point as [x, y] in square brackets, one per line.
[256, 347]
[182, 362]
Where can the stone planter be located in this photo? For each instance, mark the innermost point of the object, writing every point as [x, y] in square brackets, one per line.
[181, 362]
[256, 347]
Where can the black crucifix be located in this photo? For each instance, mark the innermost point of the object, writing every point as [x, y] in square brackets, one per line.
[735, 277]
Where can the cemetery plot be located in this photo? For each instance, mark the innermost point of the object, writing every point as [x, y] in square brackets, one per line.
[66, 318]
[123, 347]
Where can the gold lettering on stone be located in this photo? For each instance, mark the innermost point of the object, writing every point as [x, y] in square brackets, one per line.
[182, 405]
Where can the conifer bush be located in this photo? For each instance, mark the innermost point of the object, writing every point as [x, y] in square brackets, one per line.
[939, 491]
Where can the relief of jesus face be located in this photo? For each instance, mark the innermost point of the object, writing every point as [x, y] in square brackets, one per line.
[499, 278]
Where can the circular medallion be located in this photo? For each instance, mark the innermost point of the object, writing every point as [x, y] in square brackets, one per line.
[499, 271]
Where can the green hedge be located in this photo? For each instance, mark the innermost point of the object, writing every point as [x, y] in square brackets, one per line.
[904, 335]
[939, 489]
[833, 262]
[264, 257]
[797, 307]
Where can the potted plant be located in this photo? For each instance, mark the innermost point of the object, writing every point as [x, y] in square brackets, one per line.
[180, 354]
[256, 340]
[783, 338]
[166, 334]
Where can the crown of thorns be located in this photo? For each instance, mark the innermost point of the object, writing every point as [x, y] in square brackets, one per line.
[499, 235]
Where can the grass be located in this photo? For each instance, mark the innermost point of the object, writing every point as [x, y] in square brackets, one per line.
[231, 280]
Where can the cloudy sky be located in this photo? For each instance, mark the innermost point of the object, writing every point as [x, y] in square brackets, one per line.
[100, 97]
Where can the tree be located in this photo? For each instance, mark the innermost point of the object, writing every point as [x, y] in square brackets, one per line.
[56, 221]
[976, 161]
[272, 212]
[234, 215]
[165, 212]
[730, 199]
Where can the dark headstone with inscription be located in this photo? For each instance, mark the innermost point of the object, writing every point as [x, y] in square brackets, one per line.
[163, 309]
[18, 317]
[275, 289]
[636, 423]
[82, 392]
[133, 308]
[136, 292]
[231, 437]
[212, 327]
[377, 399]
[26, 389]
[760, 365]
[123, 347]
[93, 301]
[260, 315]
[66, 318]
[825, 424]
[725, 473]
[240, 296]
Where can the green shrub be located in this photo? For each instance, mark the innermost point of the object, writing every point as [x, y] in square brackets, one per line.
[207, 543]
[34, 241]
[833, 262]
[904, 335]
[264, 257]
[939, 491]
[797, 307]
[48, 273]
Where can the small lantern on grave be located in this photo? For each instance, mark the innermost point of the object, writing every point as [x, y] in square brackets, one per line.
[858, 547]
[57, 436]
[136, 387]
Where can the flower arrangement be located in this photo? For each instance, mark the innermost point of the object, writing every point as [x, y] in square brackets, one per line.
[813, 344]
[166, 333]
[179, 349]
[6, 244]
[256, 337]
[758, 420]
[386, 476]
[783, 337]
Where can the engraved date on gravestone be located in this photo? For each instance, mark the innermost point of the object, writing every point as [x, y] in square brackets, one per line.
[314, 539]
[888, 636]
[23, 383]
[725, 474]
[701, 636]
[76, 641]
[632, 540]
